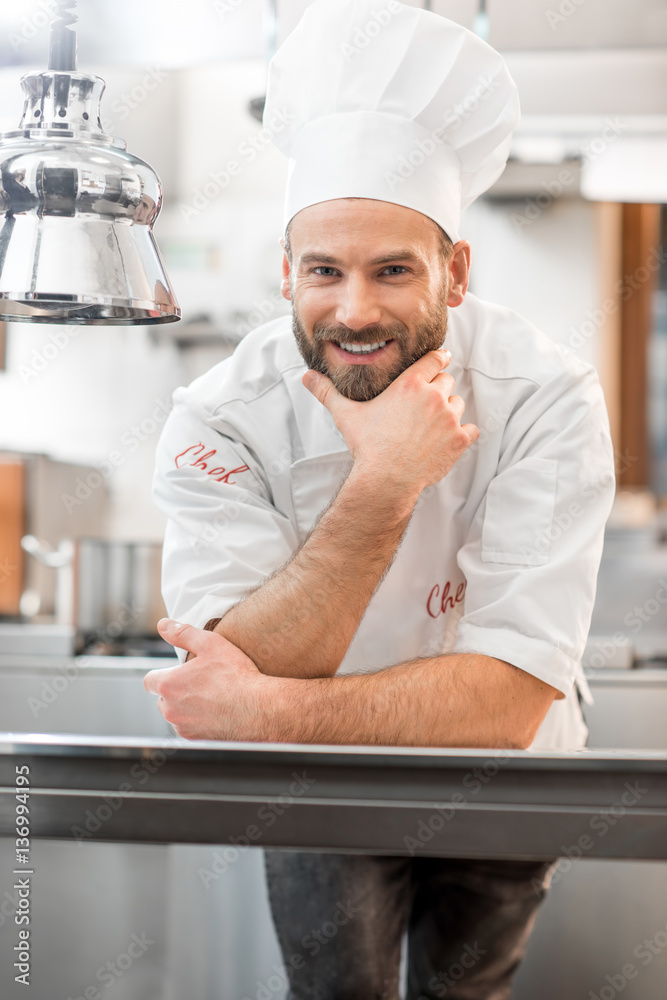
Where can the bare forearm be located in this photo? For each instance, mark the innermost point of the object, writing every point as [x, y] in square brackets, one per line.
[449, 701]
[453, 700]
[300, 622]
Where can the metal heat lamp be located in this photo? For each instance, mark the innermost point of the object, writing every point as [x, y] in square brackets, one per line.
[76, 209]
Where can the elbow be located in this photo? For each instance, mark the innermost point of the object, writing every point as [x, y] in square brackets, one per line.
[522, 743]
[519, 733]
[523, 734]
[528, 715]
[513, 741]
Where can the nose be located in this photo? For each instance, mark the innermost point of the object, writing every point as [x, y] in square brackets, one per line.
[357, 306]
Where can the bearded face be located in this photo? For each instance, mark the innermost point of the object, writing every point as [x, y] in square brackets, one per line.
[362, 377]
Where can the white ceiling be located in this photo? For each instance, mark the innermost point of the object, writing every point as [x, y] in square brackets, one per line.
[605, 57]
[177, 33]
[539, 24]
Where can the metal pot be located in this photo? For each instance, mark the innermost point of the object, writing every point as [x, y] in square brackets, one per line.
[117, 588]
[107, 589]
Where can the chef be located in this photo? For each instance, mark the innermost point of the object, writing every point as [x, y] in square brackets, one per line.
[386, 510]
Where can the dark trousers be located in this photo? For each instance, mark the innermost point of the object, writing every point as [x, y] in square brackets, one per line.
[340, 920]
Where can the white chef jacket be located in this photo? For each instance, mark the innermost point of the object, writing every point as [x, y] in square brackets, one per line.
[500, 556]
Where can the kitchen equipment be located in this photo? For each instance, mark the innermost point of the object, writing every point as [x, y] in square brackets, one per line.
[61, 560]
[629, 620]
[54, 502]
[107, 588]
[117, 590]
[19, 639]
[76, 241]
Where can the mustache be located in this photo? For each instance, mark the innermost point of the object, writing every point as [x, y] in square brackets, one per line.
[369, 335]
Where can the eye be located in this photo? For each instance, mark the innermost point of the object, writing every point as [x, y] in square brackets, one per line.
[323, 267]
[392, 267]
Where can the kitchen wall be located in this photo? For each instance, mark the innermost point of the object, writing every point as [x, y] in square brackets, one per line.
[81, 393]
[547, 269]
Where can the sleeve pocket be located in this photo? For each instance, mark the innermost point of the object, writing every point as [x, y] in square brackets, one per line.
[519, 513]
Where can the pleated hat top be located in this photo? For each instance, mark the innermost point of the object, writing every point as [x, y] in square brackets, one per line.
[379, 100]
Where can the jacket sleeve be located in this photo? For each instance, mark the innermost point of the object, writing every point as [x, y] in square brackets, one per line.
[223, 535]
[532, 554]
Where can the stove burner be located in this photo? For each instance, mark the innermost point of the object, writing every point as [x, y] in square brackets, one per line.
[125, 646]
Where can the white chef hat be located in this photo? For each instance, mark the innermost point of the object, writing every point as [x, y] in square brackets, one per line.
[375, 99]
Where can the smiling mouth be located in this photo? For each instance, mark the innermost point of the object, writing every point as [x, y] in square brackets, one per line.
[360, 353]
[362, 348]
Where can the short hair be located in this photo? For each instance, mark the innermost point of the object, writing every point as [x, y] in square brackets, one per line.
[445, 245]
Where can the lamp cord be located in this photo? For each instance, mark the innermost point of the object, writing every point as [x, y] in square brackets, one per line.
[62, 47]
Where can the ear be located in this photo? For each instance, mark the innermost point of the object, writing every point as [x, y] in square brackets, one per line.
[285, 286]
[459, 272]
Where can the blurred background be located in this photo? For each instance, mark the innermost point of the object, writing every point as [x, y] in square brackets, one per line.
[572, 236]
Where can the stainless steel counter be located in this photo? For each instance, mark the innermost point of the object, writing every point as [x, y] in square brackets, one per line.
[473, 803]
[203, 900]
[103, 695]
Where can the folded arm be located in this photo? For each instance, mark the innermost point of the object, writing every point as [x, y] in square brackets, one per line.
[453, 700]
[301, 620]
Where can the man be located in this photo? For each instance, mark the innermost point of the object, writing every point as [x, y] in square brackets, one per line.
[350, 561]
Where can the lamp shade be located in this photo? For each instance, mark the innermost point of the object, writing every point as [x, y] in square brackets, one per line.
[76, 214]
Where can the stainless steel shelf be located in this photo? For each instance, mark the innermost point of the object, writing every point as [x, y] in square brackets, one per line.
[382, 800]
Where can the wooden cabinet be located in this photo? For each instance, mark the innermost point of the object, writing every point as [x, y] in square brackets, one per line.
[12, 514]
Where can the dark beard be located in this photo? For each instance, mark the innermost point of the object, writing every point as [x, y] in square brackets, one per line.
[364, 382]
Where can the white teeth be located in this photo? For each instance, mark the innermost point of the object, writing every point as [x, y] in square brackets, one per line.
[363, 348]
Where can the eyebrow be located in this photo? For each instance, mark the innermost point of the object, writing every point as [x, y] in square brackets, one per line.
[313, 257]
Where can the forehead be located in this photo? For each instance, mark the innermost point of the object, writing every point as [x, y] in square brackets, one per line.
[362, 224]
